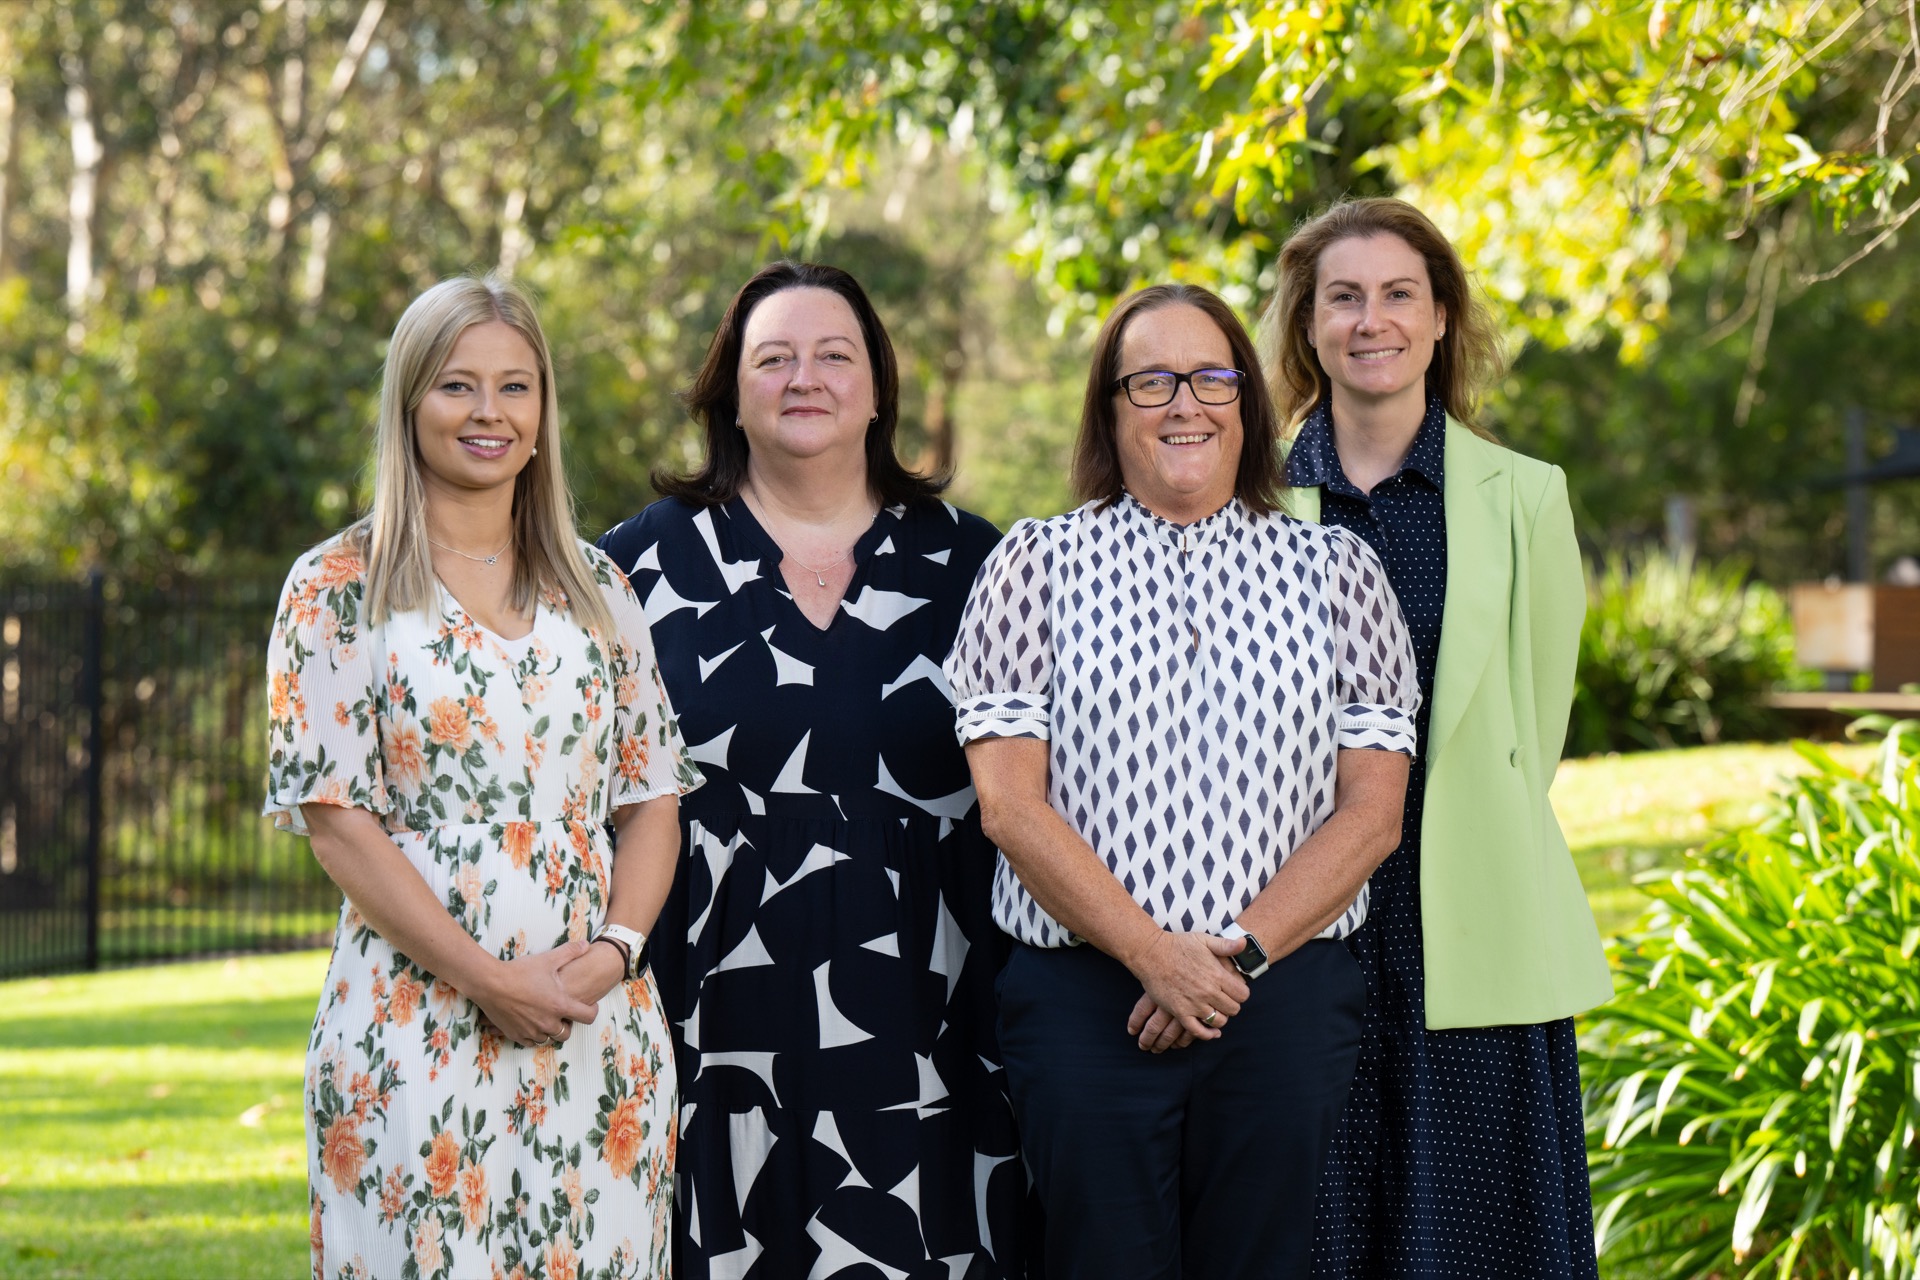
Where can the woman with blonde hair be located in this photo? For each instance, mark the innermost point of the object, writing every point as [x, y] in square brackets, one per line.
[1462, 1150]
[463, 693]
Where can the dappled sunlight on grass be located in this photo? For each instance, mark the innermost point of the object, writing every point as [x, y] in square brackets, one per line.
[153, 1121]
[1628, 814]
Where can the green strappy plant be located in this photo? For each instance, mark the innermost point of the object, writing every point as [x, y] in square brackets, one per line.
[1753, 1089]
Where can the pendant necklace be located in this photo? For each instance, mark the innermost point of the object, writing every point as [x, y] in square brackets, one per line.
[495, 557]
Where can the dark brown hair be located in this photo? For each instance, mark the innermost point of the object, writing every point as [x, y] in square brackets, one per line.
[1096, 454]
[1465, 358]
[713, 398]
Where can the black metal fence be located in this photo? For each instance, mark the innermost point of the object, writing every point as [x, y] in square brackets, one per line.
[132, 762]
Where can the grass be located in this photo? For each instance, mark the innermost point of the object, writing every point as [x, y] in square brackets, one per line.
[153, 1122]
[152, 1117]
[1625, 815]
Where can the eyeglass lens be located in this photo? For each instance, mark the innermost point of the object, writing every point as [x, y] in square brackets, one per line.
[1155, 387]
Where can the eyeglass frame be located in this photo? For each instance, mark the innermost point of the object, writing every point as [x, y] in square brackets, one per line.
[1120, 384]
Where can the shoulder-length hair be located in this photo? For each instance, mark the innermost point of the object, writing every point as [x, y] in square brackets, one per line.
[713, 398]
[1466, 358]
[392, 536]
[1096, 454]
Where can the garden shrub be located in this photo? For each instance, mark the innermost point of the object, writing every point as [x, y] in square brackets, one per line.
[1676, 653]
[1753, 1089]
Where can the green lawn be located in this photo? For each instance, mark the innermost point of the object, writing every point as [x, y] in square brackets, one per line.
[152, 1121]
[151, 1117]
[1627, 814]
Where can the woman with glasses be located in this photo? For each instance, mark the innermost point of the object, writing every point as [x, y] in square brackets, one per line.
[826, 956]
[1462, 1151]
[1188, 719]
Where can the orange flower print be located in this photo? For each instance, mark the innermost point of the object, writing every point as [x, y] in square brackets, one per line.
[331, 791]
[338, 567]
[407, 991]
[556, 878]
[393, 1196]
[472, 888]
[626, 691]
[342, 1154]
[533, 690]
[405, 754]
[443, 1164]
[518, 839]
[582, 840]
[536, 749]
[280, 699]
[426, 1245]
[562, 1262]
[302, 610]
[576, 1194]
[633, 758]
[621, 1147]
[546, 1066]
[360, 1089]
[473, 1195]
[447, 724]
[316, 1238]
[639, 995]
[341, 716]
[483, 725]
[577, 917]
[487, 1054]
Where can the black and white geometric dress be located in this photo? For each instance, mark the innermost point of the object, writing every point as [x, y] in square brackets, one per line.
[827, 955]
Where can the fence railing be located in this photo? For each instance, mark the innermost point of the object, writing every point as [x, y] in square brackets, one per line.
[132, 761]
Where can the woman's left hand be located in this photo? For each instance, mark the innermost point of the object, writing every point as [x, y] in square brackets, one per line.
[594, 974]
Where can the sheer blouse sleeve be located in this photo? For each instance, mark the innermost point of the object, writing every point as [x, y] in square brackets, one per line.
[1375, 676]
[323, 737]
[649, 757]
[1001, 666]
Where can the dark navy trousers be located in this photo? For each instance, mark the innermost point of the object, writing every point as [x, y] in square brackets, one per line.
[1194, 1164]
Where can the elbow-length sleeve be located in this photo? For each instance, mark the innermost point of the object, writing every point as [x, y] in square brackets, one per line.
[323, 737]
[1375, 677]
[649, 757]
[1001, 664]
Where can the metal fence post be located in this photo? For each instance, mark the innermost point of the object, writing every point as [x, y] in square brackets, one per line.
[92, 693]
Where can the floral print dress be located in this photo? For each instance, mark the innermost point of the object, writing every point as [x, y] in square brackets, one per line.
[435, 1146]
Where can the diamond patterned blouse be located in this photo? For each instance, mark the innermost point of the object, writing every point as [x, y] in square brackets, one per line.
[1195, 682]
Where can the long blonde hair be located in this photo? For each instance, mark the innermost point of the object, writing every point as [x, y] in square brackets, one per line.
[392, 536]
[1466, 358]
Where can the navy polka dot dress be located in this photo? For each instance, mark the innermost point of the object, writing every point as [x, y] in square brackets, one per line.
[1462, 1152]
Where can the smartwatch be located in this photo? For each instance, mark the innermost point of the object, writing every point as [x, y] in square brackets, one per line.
[1251, 960]
[631, 942]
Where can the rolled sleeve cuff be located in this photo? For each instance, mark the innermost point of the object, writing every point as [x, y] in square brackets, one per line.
[1002, 715]
[1369, 726]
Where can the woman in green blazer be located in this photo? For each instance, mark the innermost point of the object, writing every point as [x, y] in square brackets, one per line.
[1462, 1151]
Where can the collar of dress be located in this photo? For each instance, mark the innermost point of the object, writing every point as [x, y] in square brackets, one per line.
[1182, 537]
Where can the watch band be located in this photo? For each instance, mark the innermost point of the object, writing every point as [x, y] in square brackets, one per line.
[1254, 947]
[632, 941]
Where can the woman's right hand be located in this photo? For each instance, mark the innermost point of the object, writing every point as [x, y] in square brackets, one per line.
[527, 1001]
[1188, 976]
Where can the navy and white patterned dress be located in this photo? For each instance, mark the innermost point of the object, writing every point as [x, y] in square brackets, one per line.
[1463, 1151]
[827, 955]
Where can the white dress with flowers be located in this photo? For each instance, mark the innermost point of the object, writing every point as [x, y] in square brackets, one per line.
[437, 1148]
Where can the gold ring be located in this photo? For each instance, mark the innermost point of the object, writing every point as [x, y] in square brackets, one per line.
[1209, 1019]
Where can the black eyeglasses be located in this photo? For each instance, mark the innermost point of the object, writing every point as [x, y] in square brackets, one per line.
[1151, 388]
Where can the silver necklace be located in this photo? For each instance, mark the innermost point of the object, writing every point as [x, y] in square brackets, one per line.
[820, 573]
[492, 559]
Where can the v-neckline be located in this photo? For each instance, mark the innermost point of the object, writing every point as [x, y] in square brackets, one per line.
[533, 624]
[771, 555]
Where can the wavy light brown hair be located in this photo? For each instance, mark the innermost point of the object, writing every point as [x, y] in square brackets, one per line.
[392, 536]
[1466, 358]
[1096, 453]
[713, 398]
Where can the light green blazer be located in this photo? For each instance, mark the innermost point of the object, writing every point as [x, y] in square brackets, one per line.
[1509, 937]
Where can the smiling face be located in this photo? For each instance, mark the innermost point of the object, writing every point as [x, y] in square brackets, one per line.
[806, 380]
[480, 420]
[1375, 324]
[1181, 459]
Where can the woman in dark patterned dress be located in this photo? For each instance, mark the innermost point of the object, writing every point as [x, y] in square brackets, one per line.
[827, 955]
[1462, 1152]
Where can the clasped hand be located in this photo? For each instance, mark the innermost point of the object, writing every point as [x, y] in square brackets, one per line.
[538, 999]
[1186, 976]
